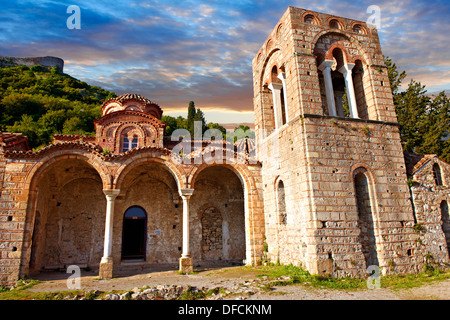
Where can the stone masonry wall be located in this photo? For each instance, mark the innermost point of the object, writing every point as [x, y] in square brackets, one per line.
[427, 199]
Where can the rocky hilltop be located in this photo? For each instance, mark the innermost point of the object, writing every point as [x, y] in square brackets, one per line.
[47, 61]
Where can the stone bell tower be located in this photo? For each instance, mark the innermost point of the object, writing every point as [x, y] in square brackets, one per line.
[335, 193]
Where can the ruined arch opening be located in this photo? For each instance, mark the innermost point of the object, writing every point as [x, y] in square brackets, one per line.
[69, 219]
[366, 223]
[218, 217]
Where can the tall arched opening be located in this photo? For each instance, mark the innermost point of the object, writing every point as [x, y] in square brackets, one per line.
[69, 220]
[366, 221]
[218, 217]
[148, 217]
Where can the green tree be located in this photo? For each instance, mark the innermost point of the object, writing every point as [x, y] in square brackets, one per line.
[213, 125]
[199, 123]
[423, 120]
[241, 132]
[191, 117]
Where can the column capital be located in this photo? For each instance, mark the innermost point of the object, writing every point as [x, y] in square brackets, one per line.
[275, 86]
[325, 64]
[282, 76]
[346, 68]
[111, 192]
[186, 192]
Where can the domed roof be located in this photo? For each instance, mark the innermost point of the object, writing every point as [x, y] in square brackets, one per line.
[131, 102]
[133, 96]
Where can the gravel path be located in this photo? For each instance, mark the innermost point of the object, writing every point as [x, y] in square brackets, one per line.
[243, 285]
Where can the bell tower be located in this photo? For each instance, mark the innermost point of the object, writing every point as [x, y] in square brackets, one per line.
[335, 193]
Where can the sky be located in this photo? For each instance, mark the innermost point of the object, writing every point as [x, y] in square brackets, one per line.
[173, 52]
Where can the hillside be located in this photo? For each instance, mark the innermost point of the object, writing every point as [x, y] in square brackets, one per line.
[40, 102]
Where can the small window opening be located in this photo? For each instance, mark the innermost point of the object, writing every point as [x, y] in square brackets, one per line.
[437, 174]
[334, 24]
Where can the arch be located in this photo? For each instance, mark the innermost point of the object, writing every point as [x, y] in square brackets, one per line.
[274, 74]
[264, 67]
[134, 233]
[338, 53]
[358, 28]
[125, 128]
[269, 44]
[362, 53]
[242, 172]
[89, 158]
[335, 23]
[73, 184]
[310, 18]
[367, 221]
[279, 31]
[358, 76]
[254, 231]
[437, 174]
[281, 201]
[445, 219]
[126, 166]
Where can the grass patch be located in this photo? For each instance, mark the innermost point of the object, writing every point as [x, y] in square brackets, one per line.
[299, 276]
[409, 281]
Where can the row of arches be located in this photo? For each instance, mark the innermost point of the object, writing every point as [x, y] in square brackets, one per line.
[67, 222]
[342, 86]
[339, 72]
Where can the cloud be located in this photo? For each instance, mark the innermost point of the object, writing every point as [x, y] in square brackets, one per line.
[177, 51]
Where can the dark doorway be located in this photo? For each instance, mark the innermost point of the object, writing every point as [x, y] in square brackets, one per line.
[134, 233]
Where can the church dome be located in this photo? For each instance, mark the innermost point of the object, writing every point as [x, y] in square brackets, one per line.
[132, 102]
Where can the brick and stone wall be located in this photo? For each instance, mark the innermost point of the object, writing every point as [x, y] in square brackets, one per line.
[432, 221]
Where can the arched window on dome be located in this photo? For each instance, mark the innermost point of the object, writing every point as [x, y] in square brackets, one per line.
[125, 144]
[134, 142]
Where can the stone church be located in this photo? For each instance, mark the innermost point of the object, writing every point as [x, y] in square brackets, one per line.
[323, 185]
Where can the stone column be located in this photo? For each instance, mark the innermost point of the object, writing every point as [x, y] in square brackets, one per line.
[282, 77]
[276, 94]
[325, 67]
[186, 262]
[346, 70]
[106, 264]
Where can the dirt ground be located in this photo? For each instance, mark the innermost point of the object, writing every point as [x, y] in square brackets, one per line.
[243, 283]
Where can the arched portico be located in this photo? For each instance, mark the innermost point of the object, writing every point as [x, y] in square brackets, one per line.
[242, 193]
[65, 212]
